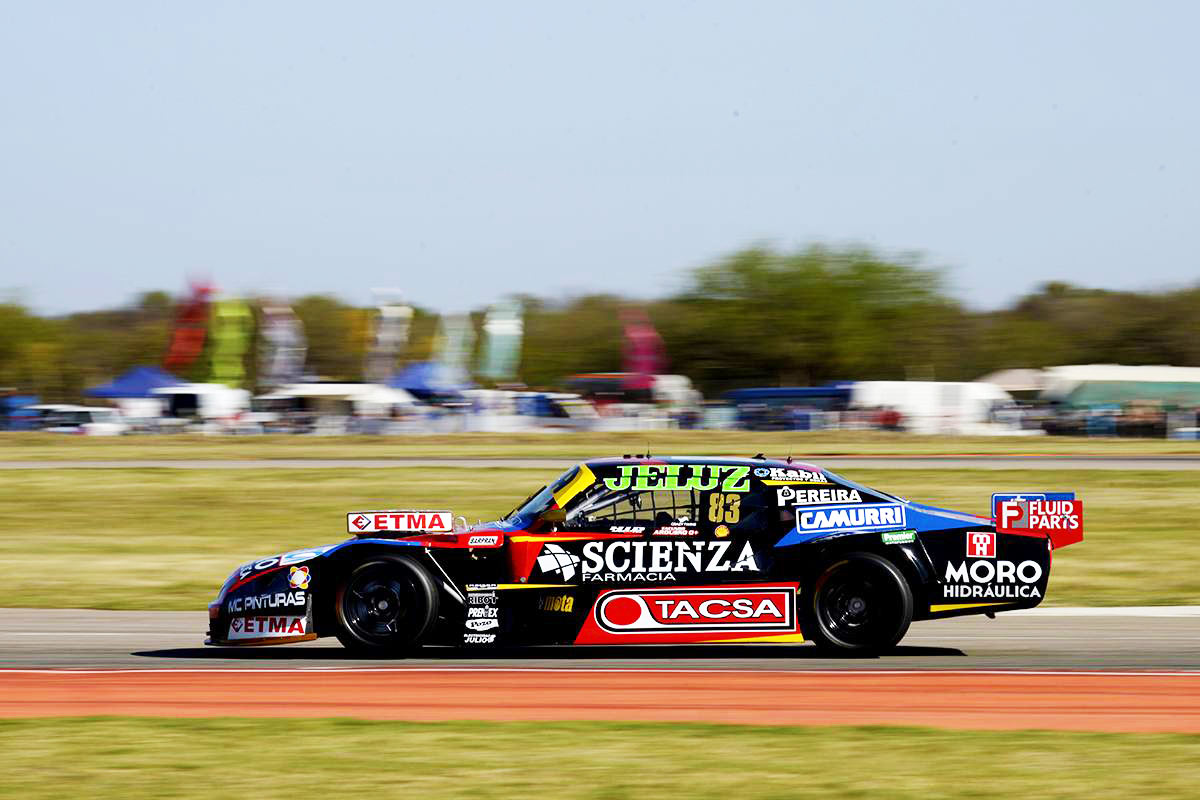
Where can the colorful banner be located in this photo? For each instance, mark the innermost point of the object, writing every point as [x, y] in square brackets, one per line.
[502, 331]
[231, 324]
[281, 357]
[191, 325]
[452, 349]
[390, 335]
[645, 355]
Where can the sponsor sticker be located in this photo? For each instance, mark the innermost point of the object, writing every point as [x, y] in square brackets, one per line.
[627, 529]
[298, 577]
[697, 609]
[624, 560]
[674, 477]
[898, 537]
[555, 559]
[868, 517]
[559, 602]
[483, 541]
[266, 627]
[774, 476]
[981, 544]
[790, 496]
[271, 562]
[262, 602]
[482, 612]
[479, 638]
[399, 522]
[482, 624]
[675, 530]
[992, 579]
[1001, 497]
[1041, 516]
[721, 531]
[481, 598]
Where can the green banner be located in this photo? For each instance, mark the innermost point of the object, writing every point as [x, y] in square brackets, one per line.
[231, 322]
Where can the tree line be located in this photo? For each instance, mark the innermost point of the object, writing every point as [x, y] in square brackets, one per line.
[758, 317]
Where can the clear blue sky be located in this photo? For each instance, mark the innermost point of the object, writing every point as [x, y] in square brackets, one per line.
[460, 151]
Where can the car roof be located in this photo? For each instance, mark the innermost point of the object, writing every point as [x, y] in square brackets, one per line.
[717, 460]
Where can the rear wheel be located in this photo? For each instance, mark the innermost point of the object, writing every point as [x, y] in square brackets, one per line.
[385, 606]
[859, 604]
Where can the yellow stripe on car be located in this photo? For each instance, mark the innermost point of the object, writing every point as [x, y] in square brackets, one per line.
[583, 480]
[957, 606]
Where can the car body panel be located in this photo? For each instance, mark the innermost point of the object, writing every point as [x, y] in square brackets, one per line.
[662, 550]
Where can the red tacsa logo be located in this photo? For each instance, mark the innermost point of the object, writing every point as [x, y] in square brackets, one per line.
[981, 544]
[700, 609]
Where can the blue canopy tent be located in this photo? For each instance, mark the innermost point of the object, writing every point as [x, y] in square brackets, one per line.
[787, 408]
[137, 382]
[429, 380]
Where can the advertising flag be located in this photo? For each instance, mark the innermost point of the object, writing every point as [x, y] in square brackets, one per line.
[502, 330]
[389, 335]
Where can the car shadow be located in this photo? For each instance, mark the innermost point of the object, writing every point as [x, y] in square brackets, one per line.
[548, 652]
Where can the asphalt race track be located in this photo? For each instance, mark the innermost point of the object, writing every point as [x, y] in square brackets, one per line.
[1128, 639]
[1119, 670]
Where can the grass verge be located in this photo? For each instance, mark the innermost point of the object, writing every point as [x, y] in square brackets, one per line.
[166, 539]
[132, 758]
[575, 446]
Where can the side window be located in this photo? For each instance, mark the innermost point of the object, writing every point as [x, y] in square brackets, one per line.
[649, 508]
[601, 509]
[673, 507]
[623, 509]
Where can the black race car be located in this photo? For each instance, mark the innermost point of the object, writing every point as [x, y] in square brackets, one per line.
[656, 551]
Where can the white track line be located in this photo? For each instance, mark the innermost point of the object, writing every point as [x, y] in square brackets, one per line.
[1109, 611]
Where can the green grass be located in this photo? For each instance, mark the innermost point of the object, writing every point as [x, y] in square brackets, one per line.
[132, 758]
[579, 446]
[166, 539]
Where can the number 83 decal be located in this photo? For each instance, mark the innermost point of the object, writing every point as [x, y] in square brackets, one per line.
[724, 507]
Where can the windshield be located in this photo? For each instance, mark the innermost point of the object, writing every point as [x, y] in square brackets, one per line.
[538, 502]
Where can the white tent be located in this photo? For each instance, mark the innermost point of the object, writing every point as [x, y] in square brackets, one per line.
[1016, 380]
[936, 406]
[1062, 381]
[362, 398]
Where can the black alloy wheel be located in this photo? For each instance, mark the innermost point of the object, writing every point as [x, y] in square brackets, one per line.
[860, 604]
[385, 606]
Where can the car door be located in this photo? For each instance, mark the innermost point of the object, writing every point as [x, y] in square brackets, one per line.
[695, 566]
[667, 533]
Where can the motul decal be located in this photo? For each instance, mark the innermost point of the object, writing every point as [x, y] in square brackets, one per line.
[697, 609]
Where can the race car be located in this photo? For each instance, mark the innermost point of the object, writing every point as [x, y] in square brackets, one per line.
[640, 550]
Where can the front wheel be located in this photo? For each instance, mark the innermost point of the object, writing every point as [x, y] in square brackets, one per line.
[385, 606]
[860, 604]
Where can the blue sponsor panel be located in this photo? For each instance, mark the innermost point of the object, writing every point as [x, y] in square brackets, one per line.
[814, 522]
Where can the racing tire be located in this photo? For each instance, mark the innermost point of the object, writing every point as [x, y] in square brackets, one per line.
[385, 606]
[859, 605]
